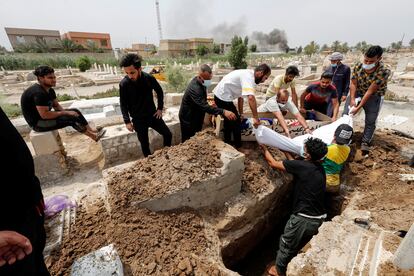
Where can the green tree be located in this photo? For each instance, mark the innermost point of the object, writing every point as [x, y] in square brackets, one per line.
[91, 46]
[253, 48]
[177, 80]
[83, 63]
[336, 46]
[324, 47]
[3, 50]
[412, 43]
[362, 46]
[299, 50]
[202, 50]
[41, 46]
[216, 49]
[396, 45]
[238, 52]
[344, 48]
[311, 48]
[68, 46]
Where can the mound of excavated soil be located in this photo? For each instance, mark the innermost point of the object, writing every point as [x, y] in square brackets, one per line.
[149, 243]
[258, 175]
[169, 169]
[377, 177]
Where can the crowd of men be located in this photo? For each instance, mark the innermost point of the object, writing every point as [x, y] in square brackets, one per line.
[22, 235]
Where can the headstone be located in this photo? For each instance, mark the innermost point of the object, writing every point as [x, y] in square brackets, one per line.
[99, 68]
[306, 70]
[2, 69]
[404, 254]
[95, 66]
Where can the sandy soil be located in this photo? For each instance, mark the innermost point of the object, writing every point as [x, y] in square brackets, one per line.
[169, 169]
[179, 243]
[386, 196]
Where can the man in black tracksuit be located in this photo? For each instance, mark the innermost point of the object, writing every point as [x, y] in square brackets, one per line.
[194, 104]
[136, 98]
[21, 200]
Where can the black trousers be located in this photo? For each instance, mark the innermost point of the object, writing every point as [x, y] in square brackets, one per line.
[322, 108]
[141, 127]
[230, 127]
[30, 225]
[79, 123]
[188, 131]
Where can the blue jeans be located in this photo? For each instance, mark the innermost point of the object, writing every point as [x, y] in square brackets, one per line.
[371, 108]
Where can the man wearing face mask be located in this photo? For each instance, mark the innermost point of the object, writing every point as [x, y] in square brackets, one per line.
[236, 85]
[369, 82]
[137, 101]
[194, 104]
[317, 95]
[279, 105]
[341, 78]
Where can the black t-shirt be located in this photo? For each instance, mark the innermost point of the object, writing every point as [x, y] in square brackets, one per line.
[309, 186]
[136, 97]
[34, 96]
[20, 188]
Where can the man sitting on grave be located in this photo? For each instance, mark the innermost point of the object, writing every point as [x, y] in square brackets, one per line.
[279, 105]
[38, 101]
[317, 95]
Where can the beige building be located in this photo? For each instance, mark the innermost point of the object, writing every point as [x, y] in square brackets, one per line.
[19, 36]
[142, 49]
[183, 47]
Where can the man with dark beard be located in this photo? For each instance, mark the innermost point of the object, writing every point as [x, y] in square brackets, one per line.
[236, 85]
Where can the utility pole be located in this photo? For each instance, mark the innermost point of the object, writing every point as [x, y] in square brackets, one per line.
[157, 7]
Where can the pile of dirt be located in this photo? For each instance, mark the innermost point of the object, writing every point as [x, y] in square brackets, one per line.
[258, 175]
[169, 169]
[88, 234]
[148, 243]
[377, 177]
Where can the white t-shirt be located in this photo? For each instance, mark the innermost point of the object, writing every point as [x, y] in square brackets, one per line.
[271, 105]
[235, 84]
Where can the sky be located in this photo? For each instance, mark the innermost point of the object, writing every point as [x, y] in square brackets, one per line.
[134, 21]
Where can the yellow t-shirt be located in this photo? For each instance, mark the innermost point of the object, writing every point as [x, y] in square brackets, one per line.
[277, 84]
[333, 163]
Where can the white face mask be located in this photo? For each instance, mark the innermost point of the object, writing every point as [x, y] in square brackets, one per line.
[207, 83]
[302, 152]
[281, 106]
[368, 66]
